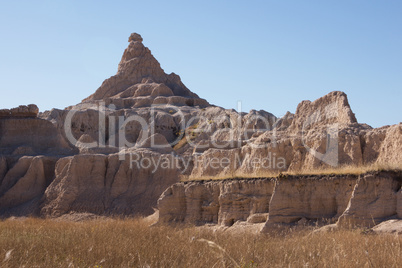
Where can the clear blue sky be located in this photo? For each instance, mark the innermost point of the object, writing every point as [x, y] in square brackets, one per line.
[268, 54]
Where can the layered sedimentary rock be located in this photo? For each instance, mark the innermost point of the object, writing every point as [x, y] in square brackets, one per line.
[22, 133]
[23, 182]
[142, 111]
[23, 111]
[216, 202]
[374, 198]
[315, 197]
[118, 184]
[356, 200]
[140, 81]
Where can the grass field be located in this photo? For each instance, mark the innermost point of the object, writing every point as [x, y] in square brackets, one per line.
[131, 243]
[341, 170]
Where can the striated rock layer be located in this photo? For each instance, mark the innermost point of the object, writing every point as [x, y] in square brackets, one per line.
[140, 81]
[104, 184]
[348, 200]
[80, 159]
[216, 202]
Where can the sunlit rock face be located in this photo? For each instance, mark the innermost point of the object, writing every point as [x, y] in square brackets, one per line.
[142, 130]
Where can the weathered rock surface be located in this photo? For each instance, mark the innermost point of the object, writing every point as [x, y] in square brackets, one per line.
[140, 81]
[152, 116]
[23, 182]
[374, 199]
[29, 111]
[102, 184]
[314, 198]
[333, 108]
[390, 152]
[217, 202]
[389, 227]
[361, 200]
[31, 136]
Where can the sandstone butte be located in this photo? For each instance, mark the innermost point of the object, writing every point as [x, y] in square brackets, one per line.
[84, 160]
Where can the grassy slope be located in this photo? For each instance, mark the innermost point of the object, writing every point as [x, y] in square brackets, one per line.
[131, 243]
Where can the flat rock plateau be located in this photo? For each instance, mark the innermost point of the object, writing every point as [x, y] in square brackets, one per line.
[143, 141]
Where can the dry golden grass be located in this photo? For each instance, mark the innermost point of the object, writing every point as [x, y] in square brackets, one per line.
[341, 170]
[131, 243]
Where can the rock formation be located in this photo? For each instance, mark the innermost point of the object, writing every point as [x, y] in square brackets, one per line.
[118, 150]
[216, 202]
[348, 200]
[104, 184]
[141, 82]
[29, 111]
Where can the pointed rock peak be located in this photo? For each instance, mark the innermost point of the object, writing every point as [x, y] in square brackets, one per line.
[134, 37]
[140, 82]
[332, 108]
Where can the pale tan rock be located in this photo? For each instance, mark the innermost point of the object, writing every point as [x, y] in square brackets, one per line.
[374, 199]
[290, 200]
[22, 186]
[389, 227]
[161, 90]
[143, 102]
[218, 202]
[87, 145]
[239, 200]
[165, 124]
[316, 198]
[390, 153]
[258, 218]
[216, 162]
[333, 108]
[160, 100]
[371, 142]
[284, 122]
[234, 142]
[140, 75]
[144, 90]
[156, 142]
[103, 184]
[38, 134]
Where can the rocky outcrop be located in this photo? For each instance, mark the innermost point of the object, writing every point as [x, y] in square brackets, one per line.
[390, 152]
[29, 111]
[313, 198]
[333, 108]
[31, 136]
[358, 200]
[216, 202]
[144, 113]
[23, 182]
[141, 82]
[374, 198]
[389, 227]
[118, 184]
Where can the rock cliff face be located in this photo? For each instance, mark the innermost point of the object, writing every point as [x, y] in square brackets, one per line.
[119, 149]
[315, 197]
[29, 111]
[216, 202]
[374, 198]
[23, 182]
[104, 184]
[348, 200]
[140, 81]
